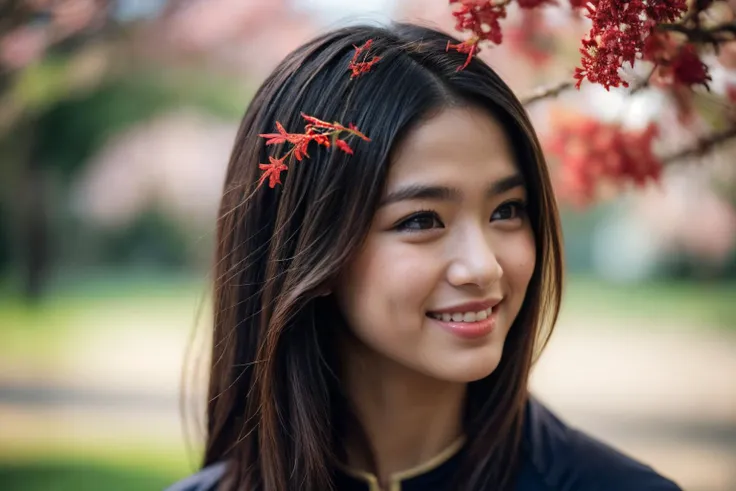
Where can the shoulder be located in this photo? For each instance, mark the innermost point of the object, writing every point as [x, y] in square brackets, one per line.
[560, 458]
[204, 480]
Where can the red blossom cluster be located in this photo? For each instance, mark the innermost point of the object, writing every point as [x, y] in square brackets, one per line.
[358, 68]
[596, 155]
[316, 130]
[677, 67]
[676, 62]
[621, 29]
[480, 18]
[591, 152]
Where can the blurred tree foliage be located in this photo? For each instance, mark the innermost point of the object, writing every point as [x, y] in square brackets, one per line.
[70, 130]
[51, 147]
[59, 110]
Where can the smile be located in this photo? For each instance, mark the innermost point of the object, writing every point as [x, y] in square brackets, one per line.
[462, 316]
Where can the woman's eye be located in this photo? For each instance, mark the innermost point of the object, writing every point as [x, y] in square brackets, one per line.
[509, 211]
[420, 221]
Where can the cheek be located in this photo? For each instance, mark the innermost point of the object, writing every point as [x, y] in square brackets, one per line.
[388, 278]
[519, 260]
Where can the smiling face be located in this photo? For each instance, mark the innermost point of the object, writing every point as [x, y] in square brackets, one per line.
[450, 253]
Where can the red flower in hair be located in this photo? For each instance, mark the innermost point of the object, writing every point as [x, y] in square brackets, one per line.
[272, 171]
[316, 130]
[299, 140]
[358, 68]
[469, 46]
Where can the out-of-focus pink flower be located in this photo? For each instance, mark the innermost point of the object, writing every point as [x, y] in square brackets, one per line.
[592, 153]
[727, 55]
[207, 24]
[72, 16]
[690, 216]
[22, 46]
[175, 161]
[253, 35]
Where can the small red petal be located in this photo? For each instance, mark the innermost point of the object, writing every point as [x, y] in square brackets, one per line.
[342, 145]
[272, 172]
[322, 140]
[273, 139]
[300, 150]
[318, 122]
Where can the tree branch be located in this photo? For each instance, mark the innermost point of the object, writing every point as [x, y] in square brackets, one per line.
[643, 84]
[702, 146]
[711, 35]
[546, 92]
[555, 90]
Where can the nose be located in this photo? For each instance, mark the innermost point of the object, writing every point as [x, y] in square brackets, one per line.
[474, 261]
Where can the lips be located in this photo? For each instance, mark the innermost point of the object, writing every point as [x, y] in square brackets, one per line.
[470, 329]
[469, 320]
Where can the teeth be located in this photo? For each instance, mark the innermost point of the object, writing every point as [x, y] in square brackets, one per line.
[463, 317]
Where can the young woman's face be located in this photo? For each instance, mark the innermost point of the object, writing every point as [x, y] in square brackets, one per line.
[450, 252]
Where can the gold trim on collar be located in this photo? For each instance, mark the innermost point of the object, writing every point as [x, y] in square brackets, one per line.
[370, 479]
[397, 477]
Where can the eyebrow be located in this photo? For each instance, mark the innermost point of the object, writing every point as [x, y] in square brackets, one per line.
[444, 193]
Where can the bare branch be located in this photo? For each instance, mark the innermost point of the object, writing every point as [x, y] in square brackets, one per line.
[643, 84]
[702, 146]
[711, 35]
[555, 90]
[546, 92]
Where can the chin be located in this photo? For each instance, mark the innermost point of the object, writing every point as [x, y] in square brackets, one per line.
[468, 366]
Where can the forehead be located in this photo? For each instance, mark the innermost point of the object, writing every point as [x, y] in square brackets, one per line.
[457, 146]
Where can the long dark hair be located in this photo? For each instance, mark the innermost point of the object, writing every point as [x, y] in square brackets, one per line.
[275, 409]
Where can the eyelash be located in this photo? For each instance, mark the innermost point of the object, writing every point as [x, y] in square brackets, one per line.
[403, 225]
[518, 205]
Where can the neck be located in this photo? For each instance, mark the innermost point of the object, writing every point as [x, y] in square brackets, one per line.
[407, 417]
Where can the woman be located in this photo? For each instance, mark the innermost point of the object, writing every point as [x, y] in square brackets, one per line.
[378, 311]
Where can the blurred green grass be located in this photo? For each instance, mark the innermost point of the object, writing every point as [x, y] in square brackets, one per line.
[62, 475]
[67, 467]
[661, 304]
[37, 331]
[35, 336]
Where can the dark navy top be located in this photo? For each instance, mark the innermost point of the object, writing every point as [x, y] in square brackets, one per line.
[555, 457]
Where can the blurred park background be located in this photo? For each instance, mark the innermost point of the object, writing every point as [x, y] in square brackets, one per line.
[116, 121]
